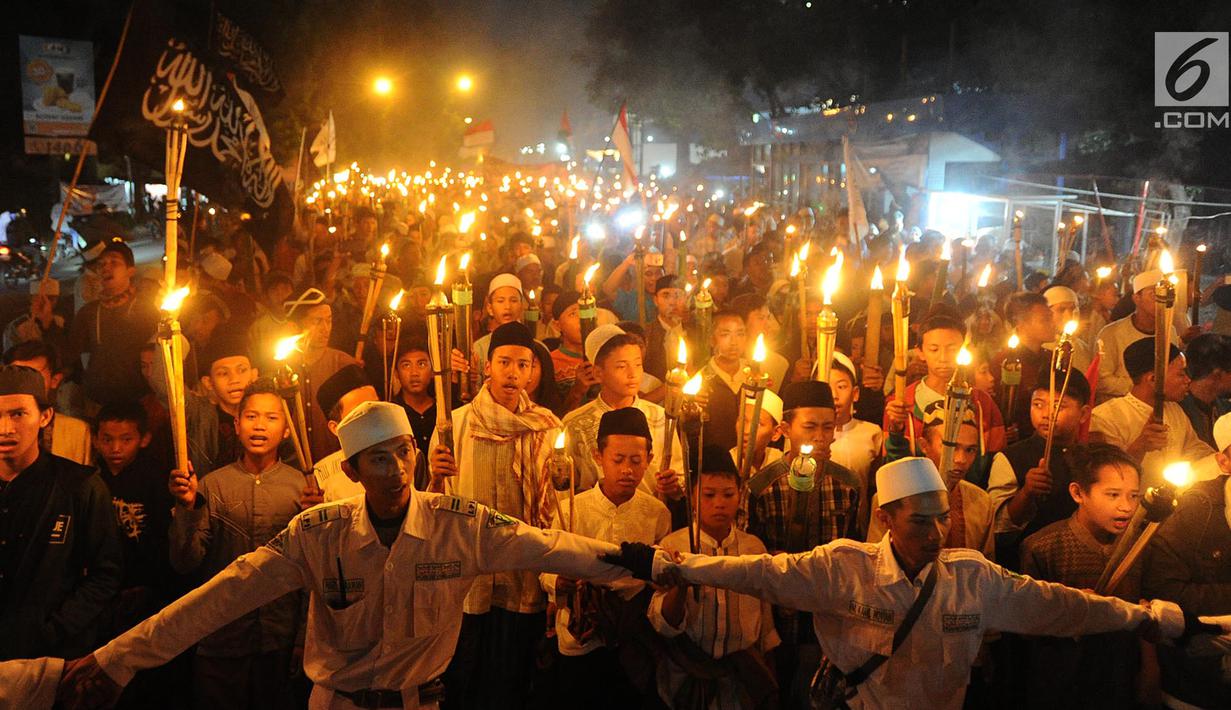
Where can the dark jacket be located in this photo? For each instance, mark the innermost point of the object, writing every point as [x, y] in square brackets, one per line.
[1189, 562]
[60, 560]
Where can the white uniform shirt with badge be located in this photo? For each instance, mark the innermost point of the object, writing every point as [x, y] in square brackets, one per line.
[643, 518]
[858, 595]
[393, 620]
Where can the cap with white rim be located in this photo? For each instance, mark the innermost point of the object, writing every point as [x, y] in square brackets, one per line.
[907, 477]
[599, 337]
[1146, 279]
[371, 423]
[1222, 432]
[1057, 295]
[503, 280]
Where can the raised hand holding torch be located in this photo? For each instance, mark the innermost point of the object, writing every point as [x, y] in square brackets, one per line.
[587, 305]
[390, 321]
[753, 390]
[287, 382]
[957, 402]
[1164, 301]
[900, 308]
[440, 352]
[375, 283]
[1156, 506]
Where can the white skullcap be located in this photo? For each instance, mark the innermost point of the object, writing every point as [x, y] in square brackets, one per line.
[771, 403]
[840, 358]
[1222, 432]
[599, 337]
[907, 477]
[371, 423]
[1057, 295]
[1146, 279]
[502, 280]
[216, 265]
[526, 260]
[52, 287]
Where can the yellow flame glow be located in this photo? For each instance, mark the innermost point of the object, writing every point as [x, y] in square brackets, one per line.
[284, 347]
[1014, 341]
[831, 280]
[985, 276]
[706, 284]
[559, 441]
[946, 252]
[178, 106]
[759, 353]
[1165, 263]
[572, 250]
[692, 388]
[681, 353]
[790, 229]
[1070, 328]
[1103, 272]
[384, 250]
[805, 450]
[903, 265]
[464, 263]
[1201, 248]
[174, 300]
[465, 222]
[795, 266]
[590, 273]
[878, 281]
[396, 301]
[1078, 220]
[1178, 474]
[440, 271]
[803, 252]
[964, 357]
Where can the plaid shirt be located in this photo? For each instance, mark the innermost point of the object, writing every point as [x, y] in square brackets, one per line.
[831, 512]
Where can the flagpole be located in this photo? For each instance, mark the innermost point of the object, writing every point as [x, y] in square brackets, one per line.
[303, 134]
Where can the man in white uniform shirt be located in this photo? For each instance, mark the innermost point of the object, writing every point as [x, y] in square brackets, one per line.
[386, 573]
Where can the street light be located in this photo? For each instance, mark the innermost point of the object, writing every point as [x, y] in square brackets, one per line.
[382, 86]
[465, 83]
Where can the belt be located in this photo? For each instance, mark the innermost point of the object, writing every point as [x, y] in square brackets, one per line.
[430, 692]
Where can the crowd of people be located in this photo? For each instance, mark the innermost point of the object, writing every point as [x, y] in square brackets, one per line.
[413, 564]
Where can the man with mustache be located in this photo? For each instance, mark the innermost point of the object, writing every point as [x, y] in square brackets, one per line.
[60, 556]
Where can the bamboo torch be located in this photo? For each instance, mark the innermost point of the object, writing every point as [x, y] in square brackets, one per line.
[172, 345]
[563, 478]
[754, 391]
[801, 288]
[639, 252]
[1156, 505]
[1164, 300]
[440, 344]
[674, 402]
[703, 311]
[287, 382]
[827, 320]
[1194, 285]
[375, 283]
[957, 401]
[463, 303]
[693, 419]
[391, 321]
[1010, 379]
[587, 306]
[900, 308]
[173, 170]
[1061, 366]
[876, 306]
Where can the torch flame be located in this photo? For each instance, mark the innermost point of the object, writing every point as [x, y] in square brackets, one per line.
[946, 252]
[465, 222]
[178, 106]
[831, 280]
[440, 270]
[174, 300]
[464, 263]
[681, 354]
[805, 450]
[1070, 328]
[794, 265]
[758, 351]
[422, 206]
[803, 252]
[284, 347]
[671, 208]
[964, 357]
[1165, 263]
[559, 445]
[530, 296]
[692, 388]
[985, 276]
[396, 301]
[706, 284]
[590, 273]
[384, 250]
[878, 281]
[1014, 341]
[903, 265]
[1201, 248]
[790, 229]
[684, 238]
[1103, 272]
[1178, 474]
[572, 250]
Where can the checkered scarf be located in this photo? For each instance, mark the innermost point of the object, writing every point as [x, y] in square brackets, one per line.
[527, 428]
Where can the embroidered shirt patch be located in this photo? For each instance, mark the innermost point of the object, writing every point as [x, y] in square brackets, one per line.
[871, 613]
[432, 571]
[958, 623]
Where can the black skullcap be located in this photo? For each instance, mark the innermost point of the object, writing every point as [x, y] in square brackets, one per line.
[19, 379]
[1079, 386]
[715, 459]
[629, 421]
[510, 334]
[563, 301]
[118, 246]
[332, 390]
[226, 342]
[806, 393]
[1139, 357]
[667, 281]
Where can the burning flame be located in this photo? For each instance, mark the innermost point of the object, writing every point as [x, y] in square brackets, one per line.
[1201, 248]
[1078, 220]
[178, 106]
[174, 300]
[794, 266]
[878, 281]
[465, 222]
[903, 265]
[396, 301]
[1178, 474]
[985, 276]
[572, 250]
[284, 347]
[681, 354]
[1102, 272]
[805, 450]
[465, 261]
[1014, 341]
[803, 252]
[831, 280]
[1019, 214]
[440, 270]
[964, 357]
[692, 388]
[790, 229]
[705, 285]
[684, 238]
[530, 296]
[758, 351]
[946, 252]
[590, 273]
[1165, 263]
[671, 208]
[752, 210]
[559, 441]
[1070, 328]
[422, 206]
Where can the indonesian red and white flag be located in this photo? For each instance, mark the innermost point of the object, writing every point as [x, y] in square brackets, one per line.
[622, 143]
[480, 134]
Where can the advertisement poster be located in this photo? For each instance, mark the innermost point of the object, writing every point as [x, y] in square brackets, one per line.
[57, 86]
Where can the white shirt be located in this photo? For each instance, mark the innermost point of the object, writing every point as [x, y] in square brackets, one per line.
[333, 481]
[1121, 420]
[642, 518]
[856, 445]
[581, 437]
[398, 627]
[71, 439]
[858, 594]
[721, 623]
[1113, 379]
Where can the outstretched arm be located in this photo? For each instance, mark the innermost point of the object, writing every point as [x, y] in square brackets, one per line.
[508, 544]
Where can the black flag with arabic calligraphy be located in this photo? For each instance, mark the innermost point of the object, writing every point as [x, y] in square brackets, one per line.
[176, 52]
